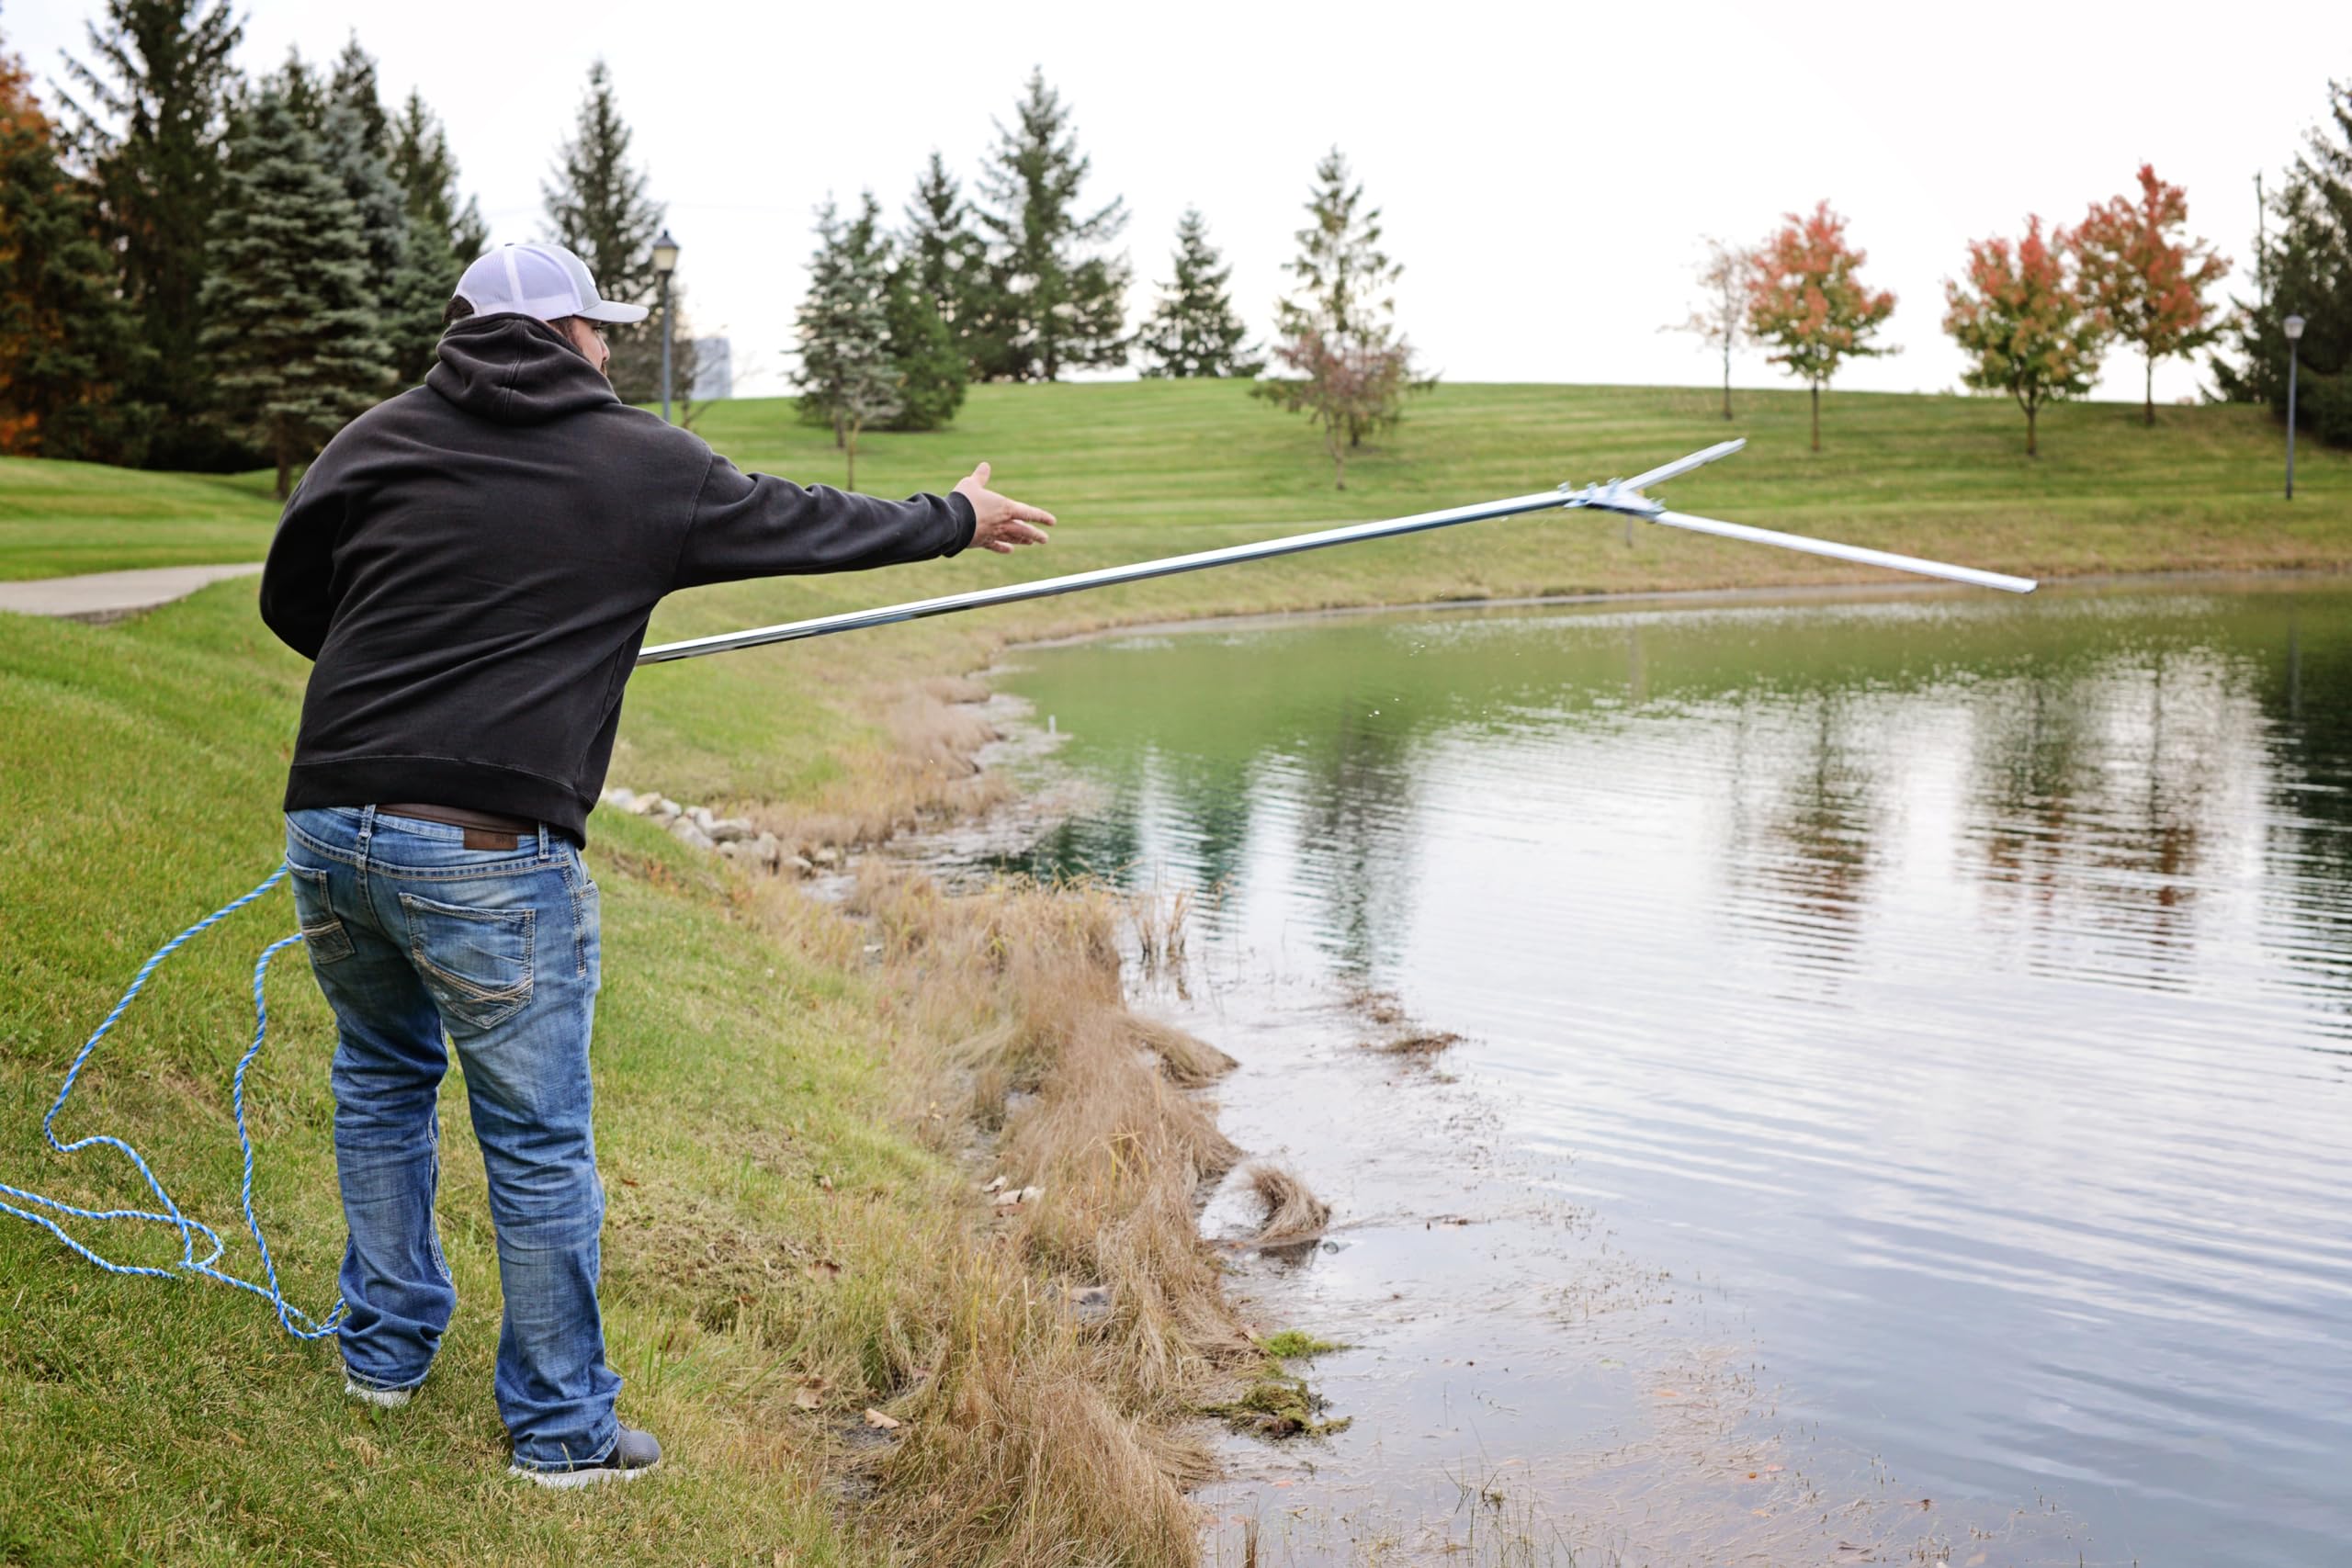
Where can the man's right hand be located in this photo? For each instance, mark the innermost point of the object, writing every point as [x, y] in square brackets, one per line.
[1004, 524]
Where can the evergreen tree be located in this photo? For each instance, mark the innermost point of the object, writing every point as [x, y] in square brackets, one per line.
[407, 284]
[149, 125]
[68, 344]
[847, 377]
[597, 207]
[1053, 301]
[945, 262]
[2305, 268]
[292, 327]
[931, 369]
[428, 173]
[1194, 330]
[354, 87]
[1340, 323]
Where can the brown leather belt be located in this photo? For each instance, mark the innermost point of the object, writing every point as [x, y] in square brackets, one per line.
[485, 829]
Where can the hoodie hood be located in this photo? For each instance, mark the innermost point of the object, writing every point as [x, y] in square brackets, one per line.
[515, 370]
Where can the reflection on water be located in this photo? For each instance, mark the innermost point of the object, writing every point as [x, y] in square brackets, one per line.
[1958, 989]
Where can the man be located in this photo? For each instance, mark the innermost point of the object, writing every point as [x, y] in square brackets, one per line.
[471, 565]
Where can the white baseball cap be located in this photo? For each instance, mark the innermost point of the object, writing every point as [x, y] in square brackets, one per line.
[543, 281]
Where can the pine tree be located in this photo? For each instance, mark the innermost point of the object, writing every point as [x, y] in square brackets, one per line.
[2305, 266]
[68, 344]
[149, 125]
[597, 207]
[931, 369]
[292, 324]
[407, 283]
[847, 377]
[945, 262]
[1054, 301]
[354, 87]
[428, 173]
[1337, 331]
[1194, 330]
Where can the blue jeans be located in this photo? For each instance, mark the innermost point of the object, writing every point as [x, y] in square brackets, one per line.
[416, 940]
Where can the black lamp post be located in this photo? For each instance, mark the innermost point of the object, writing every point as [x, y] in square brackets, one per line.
[665, 262]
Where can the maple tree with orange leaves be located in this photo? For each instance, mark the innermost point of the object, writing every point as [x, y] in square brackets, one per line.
[2022, 319]
[1808, 301]
[2147, 279]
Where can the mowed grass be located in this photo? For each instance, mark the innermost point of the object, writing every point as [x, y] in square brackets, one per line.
[146, 1420]
[60, 519]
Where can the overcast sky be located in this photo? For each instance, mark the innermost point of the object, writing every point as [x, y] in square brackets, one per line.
[1547, 171]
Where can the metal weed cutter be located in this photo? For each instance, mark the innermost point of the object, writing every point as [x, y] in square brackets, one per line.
[1621, 496]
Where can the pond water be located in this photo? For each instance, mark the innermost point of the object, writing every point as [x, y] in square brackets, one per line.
[1903, 1105]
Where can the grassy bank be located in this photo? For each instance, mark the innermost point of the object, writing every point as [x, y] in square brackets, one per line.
[792, 1102]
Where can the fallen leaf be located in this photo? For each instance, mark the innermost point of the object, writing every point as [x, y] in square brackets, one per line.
[806, 1398]
[875, 1418]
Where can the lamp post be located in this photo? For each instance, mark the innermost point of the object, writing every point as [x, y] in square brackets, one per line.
[2293, 327]
[665, 262]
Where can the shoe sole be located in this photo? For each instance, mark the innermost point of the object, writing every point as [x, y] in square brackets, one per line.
[381, 1398]
[595, 1475]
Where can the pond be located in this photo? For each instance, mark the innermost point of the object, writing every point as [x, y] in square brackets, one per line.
[1902, 1105]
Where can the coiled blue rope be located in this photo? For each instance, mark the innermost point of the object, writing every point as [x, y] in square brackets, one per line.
[293, 1319]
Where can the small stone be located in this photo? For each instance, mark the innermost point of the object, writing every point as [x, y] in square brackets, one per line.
[662, 818]
[668, 807]
[686, 831]
[701, 818]
[730, 830]
[802, 865]
[825, 855]
[619, 800]
[735, 850]
[769, 849]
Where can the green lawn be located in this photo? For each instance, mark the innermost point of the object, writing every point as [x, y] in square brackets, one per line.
[140, 771]
[140, 766]
[57, 519]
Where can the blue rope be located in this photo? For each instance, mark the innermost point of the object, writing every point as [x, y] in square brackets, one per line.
[295, 1321]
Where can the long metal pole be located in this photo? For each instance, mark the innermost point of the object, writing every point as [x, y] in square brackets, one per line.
[1105, 577]
[2292, 358]
[1623, 495]
[666, 348]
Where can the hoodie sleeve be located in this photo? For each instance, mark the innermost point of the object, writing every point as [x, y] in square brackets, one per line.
[297, 580]
[758, 525]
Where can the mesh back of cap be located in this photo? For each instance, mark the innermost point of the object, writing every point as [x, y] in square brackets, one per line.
[521, 281]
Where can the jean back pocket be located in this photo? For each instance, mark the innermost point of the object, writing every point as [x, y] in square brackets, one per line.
[475, 961]
[322, 934]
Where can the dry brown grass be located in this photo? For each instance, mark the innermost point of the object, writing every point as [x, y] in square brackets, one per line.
[919, 772]
[1040, 1437]
[1294, 1215]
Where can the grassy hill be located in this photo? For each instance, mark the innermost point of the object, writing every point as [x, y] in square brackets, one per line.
[1151, 468]
[747, 1050]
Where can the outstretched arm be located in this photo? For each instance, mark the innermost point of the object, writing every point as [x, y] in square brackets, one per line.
[748, 526]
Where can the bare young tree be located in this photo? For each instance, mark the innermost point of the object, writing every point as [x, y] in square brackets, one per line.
[1719, 317]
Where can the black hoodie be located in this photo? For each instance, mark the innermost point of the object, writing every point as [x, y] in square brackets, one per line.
[472, 564]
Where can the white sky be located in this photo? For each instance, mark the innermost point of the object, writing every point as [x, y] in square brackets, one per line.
[1547, 171]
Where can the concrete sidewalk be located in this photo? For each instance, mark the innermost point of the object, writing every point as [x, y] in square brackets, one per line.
[109, 595]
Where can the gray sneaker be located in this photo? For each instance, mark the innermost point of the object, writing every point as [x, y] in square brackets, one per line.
[634, 1453]
[381, 1398]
